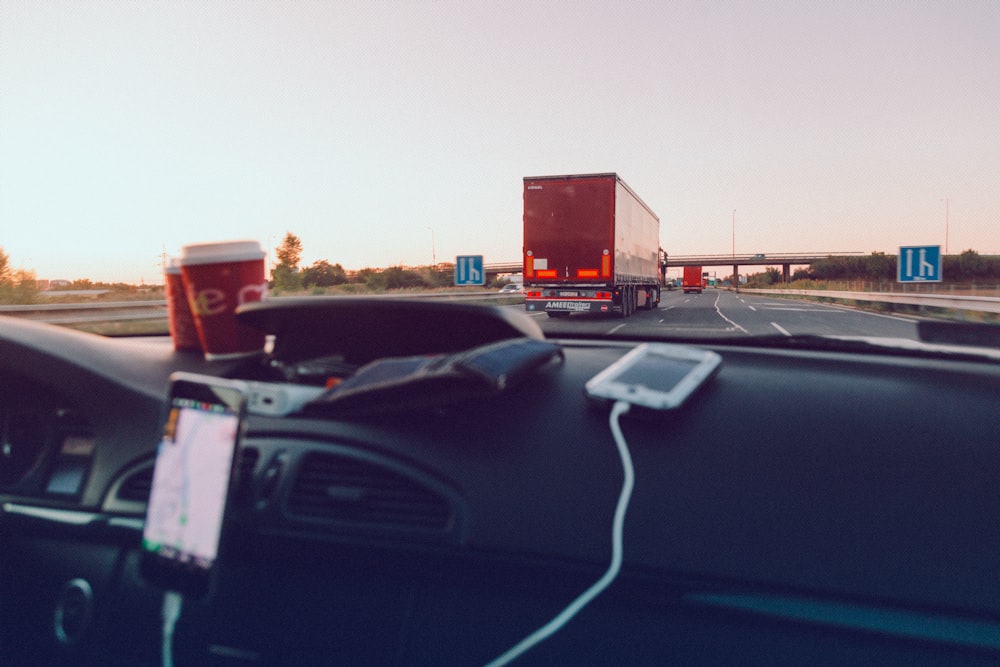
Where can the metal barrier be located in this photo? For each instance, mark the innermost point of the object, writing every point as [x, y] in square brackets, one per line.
[122, 311]
[985, 304]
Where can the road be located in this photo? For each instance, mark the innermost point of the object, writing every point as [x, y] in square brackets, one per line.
[723, 313]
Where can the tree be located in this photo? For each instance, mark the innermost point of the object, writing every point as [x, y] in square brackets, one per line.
[17, 286]
[4, 266]
[323, 274]
[880, 266]
[372, 279]
[285, 274]
[770, 276]
[290, 251]
[396, 277]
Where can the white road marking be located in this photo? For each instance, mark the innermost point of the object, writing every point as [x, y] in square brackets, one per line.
[614, 329]
[780, 328]
[837, 308]
[751, 307]
[802, 310]
[726, 318]
[848, 309]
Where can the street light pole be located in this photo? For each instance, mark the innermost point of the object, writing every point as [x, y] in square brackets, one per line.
[433, 252]
[946, 226]
[736, 273]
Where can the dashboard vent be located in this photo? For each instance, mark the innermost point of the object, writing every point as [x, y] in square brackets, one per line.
[351, 490]
[248, 463]
[135, 487]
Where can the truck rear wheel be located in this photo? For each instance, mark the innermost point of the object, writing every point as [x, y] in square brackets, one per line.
[626, 305]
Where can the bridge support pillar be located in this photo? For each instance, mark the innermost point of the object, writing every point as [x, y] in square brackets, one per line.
[736, 277]
[786, 272]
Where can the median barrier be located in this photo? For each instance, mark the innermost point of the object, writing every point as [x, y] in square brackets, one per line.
[983, 304]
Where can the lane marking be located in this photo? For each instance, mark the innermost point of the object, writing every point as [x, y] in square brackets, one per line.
[838, 308]
[673, 328]
[726, 318]
[614, 329]
[847, 309]
[802, 310]
[751, 308]
[779, 328]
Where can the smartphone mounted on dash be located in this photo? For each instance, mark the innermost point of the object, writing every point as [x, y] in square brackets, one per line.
[658, 376]
[192, 478]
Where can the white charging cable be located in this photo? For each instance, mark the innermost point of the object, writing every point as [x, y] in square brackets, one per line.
[172, 601]
[617, 549]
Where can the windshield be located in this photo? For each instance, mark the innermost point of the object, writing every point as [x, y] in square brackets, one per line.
[661, 170]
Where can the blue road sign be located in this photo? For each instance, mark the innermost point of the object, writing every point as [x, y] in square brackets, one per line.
[919, 264]
[469, 270]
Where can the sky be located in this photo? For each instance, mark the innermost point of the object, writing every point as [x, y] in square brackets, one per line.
[398, 133]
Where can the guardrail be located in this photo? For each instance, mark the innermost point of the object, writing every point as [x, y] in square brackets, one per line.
[77, 313]
[122, 311]
[983, 304]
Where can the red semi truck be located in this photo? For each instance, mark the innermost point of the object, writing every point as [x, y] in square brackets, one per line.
[693, 279]
[590, 246]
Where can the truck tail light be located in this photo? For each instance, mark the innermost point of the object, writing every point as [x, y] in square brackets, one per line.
[548, 273]
[606, 266]
[586, 273]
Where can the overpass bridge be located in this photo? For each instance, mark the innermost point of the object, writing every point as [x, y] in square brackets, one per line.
[786, 260]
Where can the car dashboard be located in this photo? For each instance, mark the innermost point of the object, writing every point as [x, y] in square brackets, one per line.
[804, 506]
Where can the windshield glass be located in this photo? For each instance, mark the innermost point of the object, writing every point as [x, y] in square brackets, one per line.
[659, 170]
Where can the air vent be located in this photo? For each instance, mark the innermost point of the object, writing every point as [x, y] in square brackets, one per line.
[248, 463]
[135, 487]
[350, 490]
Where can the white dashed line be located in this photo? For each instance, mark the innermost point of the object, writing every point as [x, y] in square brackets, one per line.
[780, 328]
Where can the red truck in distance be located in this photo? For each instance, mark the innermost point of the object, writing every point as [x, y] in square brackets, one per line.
[590, 246]
[693, 279]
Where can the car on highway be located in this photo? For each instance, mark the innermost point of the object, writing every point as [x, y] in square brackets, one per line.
[390, 474]
[759, 255]
[511, 288]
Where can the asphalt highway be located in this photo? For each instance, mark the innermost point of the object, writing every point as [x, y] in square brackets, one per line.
[716, 313]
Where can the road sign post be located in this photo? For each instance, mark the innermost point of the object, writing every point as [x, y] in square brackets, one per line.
[469, 270]
[919, 264]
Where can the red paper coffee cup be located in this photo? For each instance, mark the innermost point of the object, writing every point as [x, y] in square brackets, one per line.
[182, 328]
[218, 277]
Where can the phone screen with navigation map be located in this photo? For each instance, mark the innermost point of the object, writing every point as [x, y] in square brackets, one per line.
[191, 481]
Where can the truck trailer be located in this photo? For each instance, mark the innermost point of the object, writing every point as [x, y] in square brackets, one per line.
[590, 246]
[694, 280]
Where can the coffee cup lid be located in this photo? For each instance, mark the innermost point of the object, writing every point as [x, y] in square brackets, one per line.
[222, 251]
